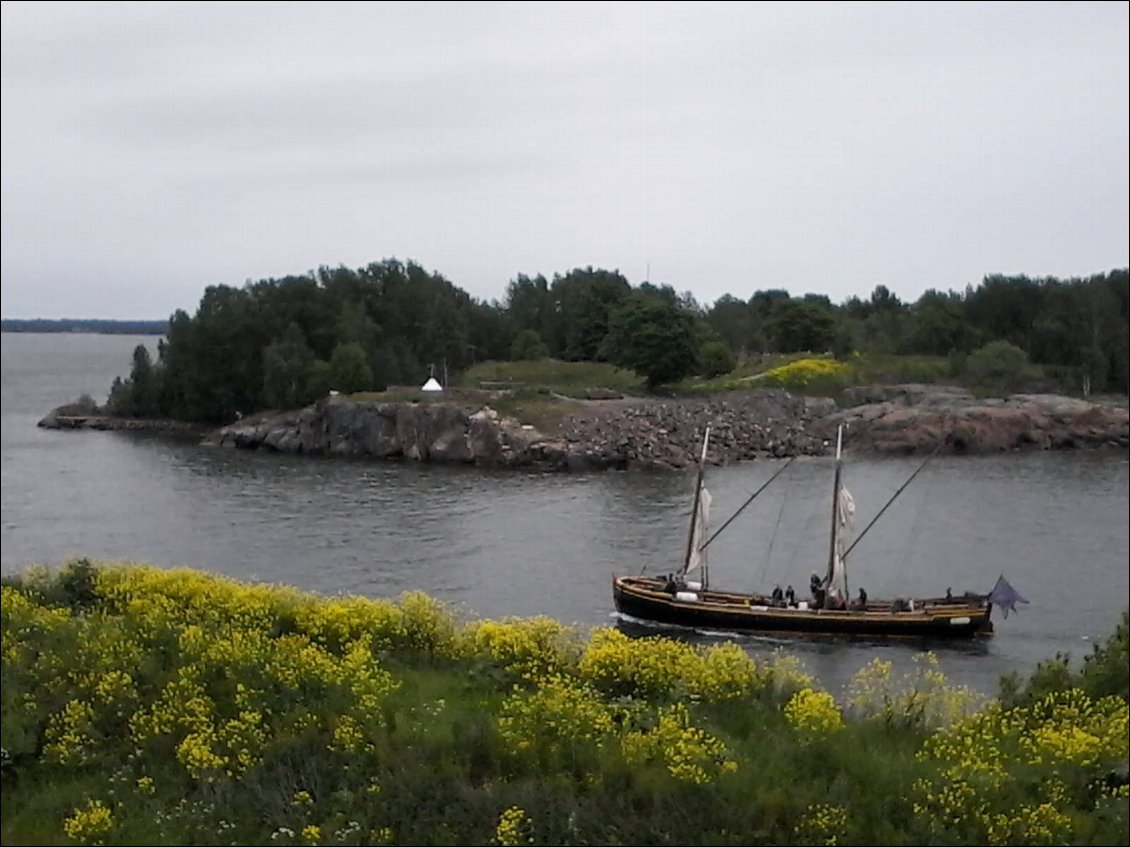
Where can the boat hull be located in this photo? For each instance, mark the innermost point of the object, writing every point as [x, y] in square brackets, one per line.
[645, 598]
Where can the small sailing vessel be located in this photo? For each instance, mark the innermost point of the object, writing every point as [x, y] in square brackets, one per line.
[685, 598]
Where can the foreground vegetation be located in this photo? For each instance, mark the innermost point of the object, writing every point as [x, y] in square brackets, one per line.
[154, 706]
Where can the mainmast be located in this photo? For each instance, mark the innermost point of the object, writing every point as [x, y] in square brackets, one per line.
[697, 500]
[835, 506]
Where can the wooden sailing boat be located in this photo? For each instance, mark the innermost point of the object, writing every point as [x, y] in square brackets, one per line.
[681, 600]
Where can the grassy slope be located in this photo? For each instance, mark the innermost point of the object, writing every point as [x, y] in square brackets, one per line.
[543, 392]
[200, 710]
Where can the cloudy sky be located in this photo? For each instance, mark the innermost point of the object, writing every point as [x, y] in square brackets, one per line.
[151, 150]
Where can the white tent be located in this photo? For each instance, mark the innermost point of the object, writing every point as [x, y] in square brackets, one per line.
[431, 385]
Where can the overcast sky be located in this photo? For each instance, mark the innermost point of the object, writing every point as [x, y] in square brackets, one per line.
[151, 150]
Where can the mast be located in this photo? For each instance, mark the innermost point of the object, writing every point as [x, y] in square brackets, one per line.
[697, 499]
[835, 506]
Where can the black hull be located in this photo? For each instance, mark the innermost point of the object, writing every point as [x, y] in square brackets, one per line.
[645, 599]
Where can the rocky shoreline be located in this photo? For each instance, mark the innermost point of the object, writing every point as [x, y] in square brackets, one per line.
[62, 418]
[658, 433]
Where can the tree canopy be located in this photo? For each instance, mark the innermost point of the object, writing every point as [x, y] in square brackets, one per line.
[279, 343]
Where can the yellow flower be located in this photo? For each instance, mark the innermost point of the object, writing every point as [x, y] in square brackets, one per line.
[89, 825]
[822, 824]
[514, 828]
[813, 714]
[802, 372]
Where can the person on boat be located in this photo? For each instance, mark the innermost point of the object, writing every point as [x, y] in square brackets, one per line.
[778, 596]
[790, 596]
[671, 585]
[861, 603]
[818, 593]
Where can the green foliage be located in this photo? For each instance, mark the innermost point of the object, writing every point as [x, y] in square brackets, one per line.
[140, 395]
[715, 359]
[574, 379]
[999, 366]
[653, 337]
[796, 325]
[874, 367]
[809, 376]
[349, 369]
[537, 407]
[84, 405]
[141, 705]
[583, 303]
[1105, 672]
[528, 345]
[237, 354]
[319, 379]
[737, 324]
[286, 364]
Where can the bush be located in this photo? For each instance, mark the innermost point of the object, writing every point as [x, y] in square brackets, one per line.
[1104, 673]
[810, 376]
[999, 366]
[716, 359]
[528, 346]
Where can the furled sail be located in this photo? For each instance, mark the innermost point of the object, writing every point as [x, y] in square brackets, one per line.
[698, 537]
[845, 516]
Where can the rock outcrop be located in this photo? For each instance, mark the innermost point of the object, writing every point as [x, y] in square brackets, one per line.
[667, 433]
[64, 418]
[435, 431]
[917, 419]
[651, 433]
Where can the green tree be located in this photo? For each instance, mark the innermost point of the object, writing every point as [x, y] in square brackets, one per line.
[735, 322]
[999, 366]
[585, 299]
[528, 345]
[938, 325]
[653, 337]
[140, 395]
[1005, 308]
[530, 306]
[716, 359]
[286, 364]
[796, 325]
[349, 369]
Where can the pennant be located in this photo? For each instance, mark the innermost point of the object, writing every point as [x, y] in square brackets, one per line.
[1005, 597]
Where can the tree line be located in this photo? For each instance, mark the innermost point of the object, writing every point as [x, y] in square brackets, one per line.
[282, 343]
[90, 325]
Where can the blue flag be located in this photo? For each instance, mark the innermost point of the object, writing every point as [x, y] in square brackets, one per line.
[1005, 597]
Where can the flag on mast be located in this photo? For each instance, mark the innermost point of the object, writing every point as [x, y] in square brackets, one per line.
[1005, 597]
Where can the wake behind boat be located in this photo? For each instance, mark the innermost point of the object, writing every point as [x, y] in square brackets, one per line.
[684, 598]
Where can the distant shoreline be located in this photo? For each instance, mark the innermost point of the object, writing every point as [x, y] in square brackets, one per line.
[80, 326]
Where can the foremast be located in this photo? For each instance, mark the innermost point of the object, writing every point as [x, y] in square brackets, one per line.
[837, 519]
[697, 530]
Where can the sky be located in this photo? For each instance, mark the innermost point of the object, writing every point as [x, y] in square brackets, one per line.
[150, 150]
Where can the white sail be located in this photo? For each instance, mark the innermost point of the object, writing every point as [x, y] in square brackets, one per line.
[845, 516]
[698, 536]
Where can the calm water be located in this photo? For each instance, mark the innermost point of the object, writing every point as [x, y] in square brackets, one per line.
[509, 543]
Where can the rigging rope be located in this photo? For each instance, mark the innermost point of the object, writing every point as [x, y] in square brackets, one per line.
[741, 508]
[909, 540]
[773, 539]
[893, 498]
